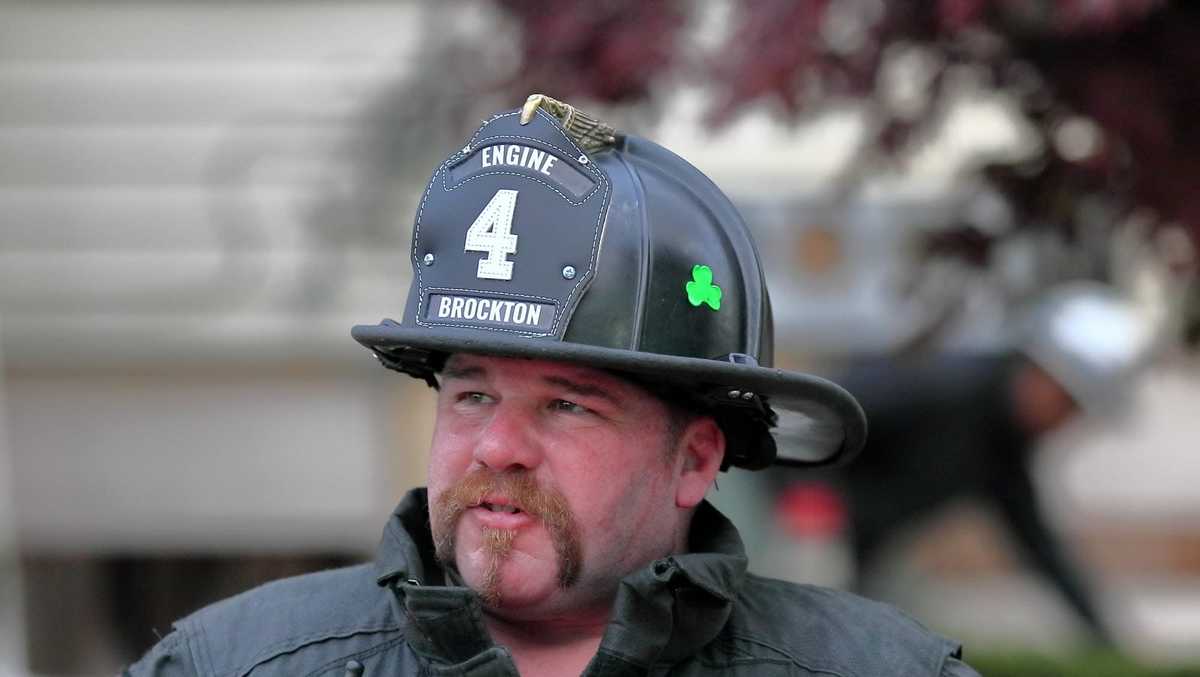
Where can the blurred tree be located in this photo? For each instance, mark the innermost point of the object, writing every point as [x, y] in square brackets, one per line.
[1106, 85]
[600, 50]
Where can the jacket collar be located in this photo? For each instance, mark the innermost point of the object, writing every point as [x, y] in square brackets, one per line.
[406, 549]
[665, 611]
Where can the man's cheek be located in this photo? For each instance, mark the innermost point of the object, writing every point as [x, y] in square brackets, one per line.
[467, 538]
[441, 477]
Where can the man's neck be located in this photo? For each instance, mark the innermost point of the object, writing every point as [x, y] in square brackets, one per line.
[555, 647]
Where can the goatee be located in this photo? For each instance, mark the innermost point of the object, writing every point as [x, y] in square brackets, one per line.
[519, 487]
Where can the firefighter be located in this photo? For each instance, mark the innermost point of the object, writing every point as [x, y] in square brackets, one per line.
[592, 314]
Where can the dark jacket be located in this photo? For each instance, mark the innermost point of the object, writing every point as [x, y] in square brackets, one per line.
[694, 614]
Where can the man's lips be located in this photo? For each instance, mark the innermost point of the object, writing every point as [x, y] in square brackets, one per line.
[499, 507]
[499, 513]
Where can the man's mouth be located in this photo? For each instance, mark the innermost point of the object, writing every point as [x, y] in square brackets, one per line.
[511, 503]
[501, 513]
[499, 507]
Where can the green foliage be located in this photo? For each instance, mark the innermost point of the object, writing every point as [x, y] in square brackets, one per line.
[1088, 664]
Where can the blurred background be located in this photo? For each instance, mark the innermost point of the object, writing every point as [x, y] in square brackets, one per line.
[198, 199]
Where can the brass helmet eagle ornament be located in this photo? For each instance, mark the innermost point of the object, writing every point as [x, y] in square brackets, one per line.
[551, 236]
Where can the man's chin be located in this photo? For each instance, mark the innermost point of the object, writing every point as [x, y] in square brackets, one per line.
[517, 581]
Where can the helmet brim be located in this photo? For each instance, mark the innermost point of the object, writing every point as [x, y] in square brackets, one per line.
[819, 424]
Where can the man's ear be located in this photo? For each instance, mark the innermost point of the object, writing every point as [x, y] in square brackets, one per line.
[702, 448]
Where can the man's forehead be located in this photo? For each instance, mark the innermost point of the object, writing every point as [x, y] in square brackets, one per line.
[471, 365]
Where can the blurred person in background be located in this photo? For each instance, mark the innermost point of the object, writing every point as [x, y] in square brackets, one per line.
[953, 426]
[593, 315]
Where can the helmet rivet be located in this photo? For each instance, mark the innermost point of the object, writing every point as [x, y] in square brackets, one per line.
[734, 394]
[428, 259]
[568, 272]
[747, 396]
[583, 159]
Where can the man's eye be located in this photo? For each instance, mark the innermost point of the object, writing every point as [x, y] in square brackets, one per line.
[474, 398]
[570, 407]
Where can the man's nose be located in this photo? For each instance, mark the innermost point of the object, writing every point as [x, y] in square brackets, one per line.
[508, 442]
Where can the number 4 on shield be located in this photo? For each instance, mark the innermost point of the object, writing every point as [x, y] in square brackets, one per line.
[492, 233]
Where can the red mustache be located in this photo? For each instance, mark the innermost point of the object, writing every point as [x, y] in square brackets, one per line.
[522, 491]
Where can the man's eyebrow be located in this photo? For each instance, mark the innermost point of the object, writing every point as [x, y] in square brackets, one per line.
[470, 371]
[584, 389]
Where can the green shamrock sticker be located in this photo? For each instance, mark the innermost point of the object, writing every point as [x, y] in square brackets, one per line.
[702, 290]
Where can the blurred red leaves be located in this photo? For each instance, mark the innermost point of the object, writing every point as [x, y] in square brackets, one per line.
[770, 51]
[602, 50]
[1128, 65]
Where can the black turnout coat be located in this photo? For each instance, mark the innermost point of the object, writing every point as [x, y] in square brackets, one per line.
[698, 613]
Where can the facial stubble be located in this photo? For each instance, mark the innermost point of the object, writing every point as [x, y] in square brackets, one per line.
[543, 503]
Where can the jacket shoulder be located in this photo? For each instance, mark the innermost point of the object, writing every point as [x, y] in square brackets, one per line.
[305, 619]
[832, 631]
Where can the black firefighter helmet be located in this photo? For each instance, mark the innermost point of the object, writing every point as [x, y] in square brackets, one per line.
[550, 236]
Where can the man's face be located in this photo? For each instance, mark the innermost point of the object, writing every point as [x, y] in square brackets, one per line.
[548, 482]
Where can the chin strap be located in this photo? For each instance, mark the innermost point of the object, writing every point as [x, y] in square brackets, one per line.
[749, 402]
[744, 416]
[422, 364]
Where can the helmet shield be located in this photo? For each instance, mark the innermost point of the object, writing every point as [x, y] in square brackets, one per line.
[626, 258]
